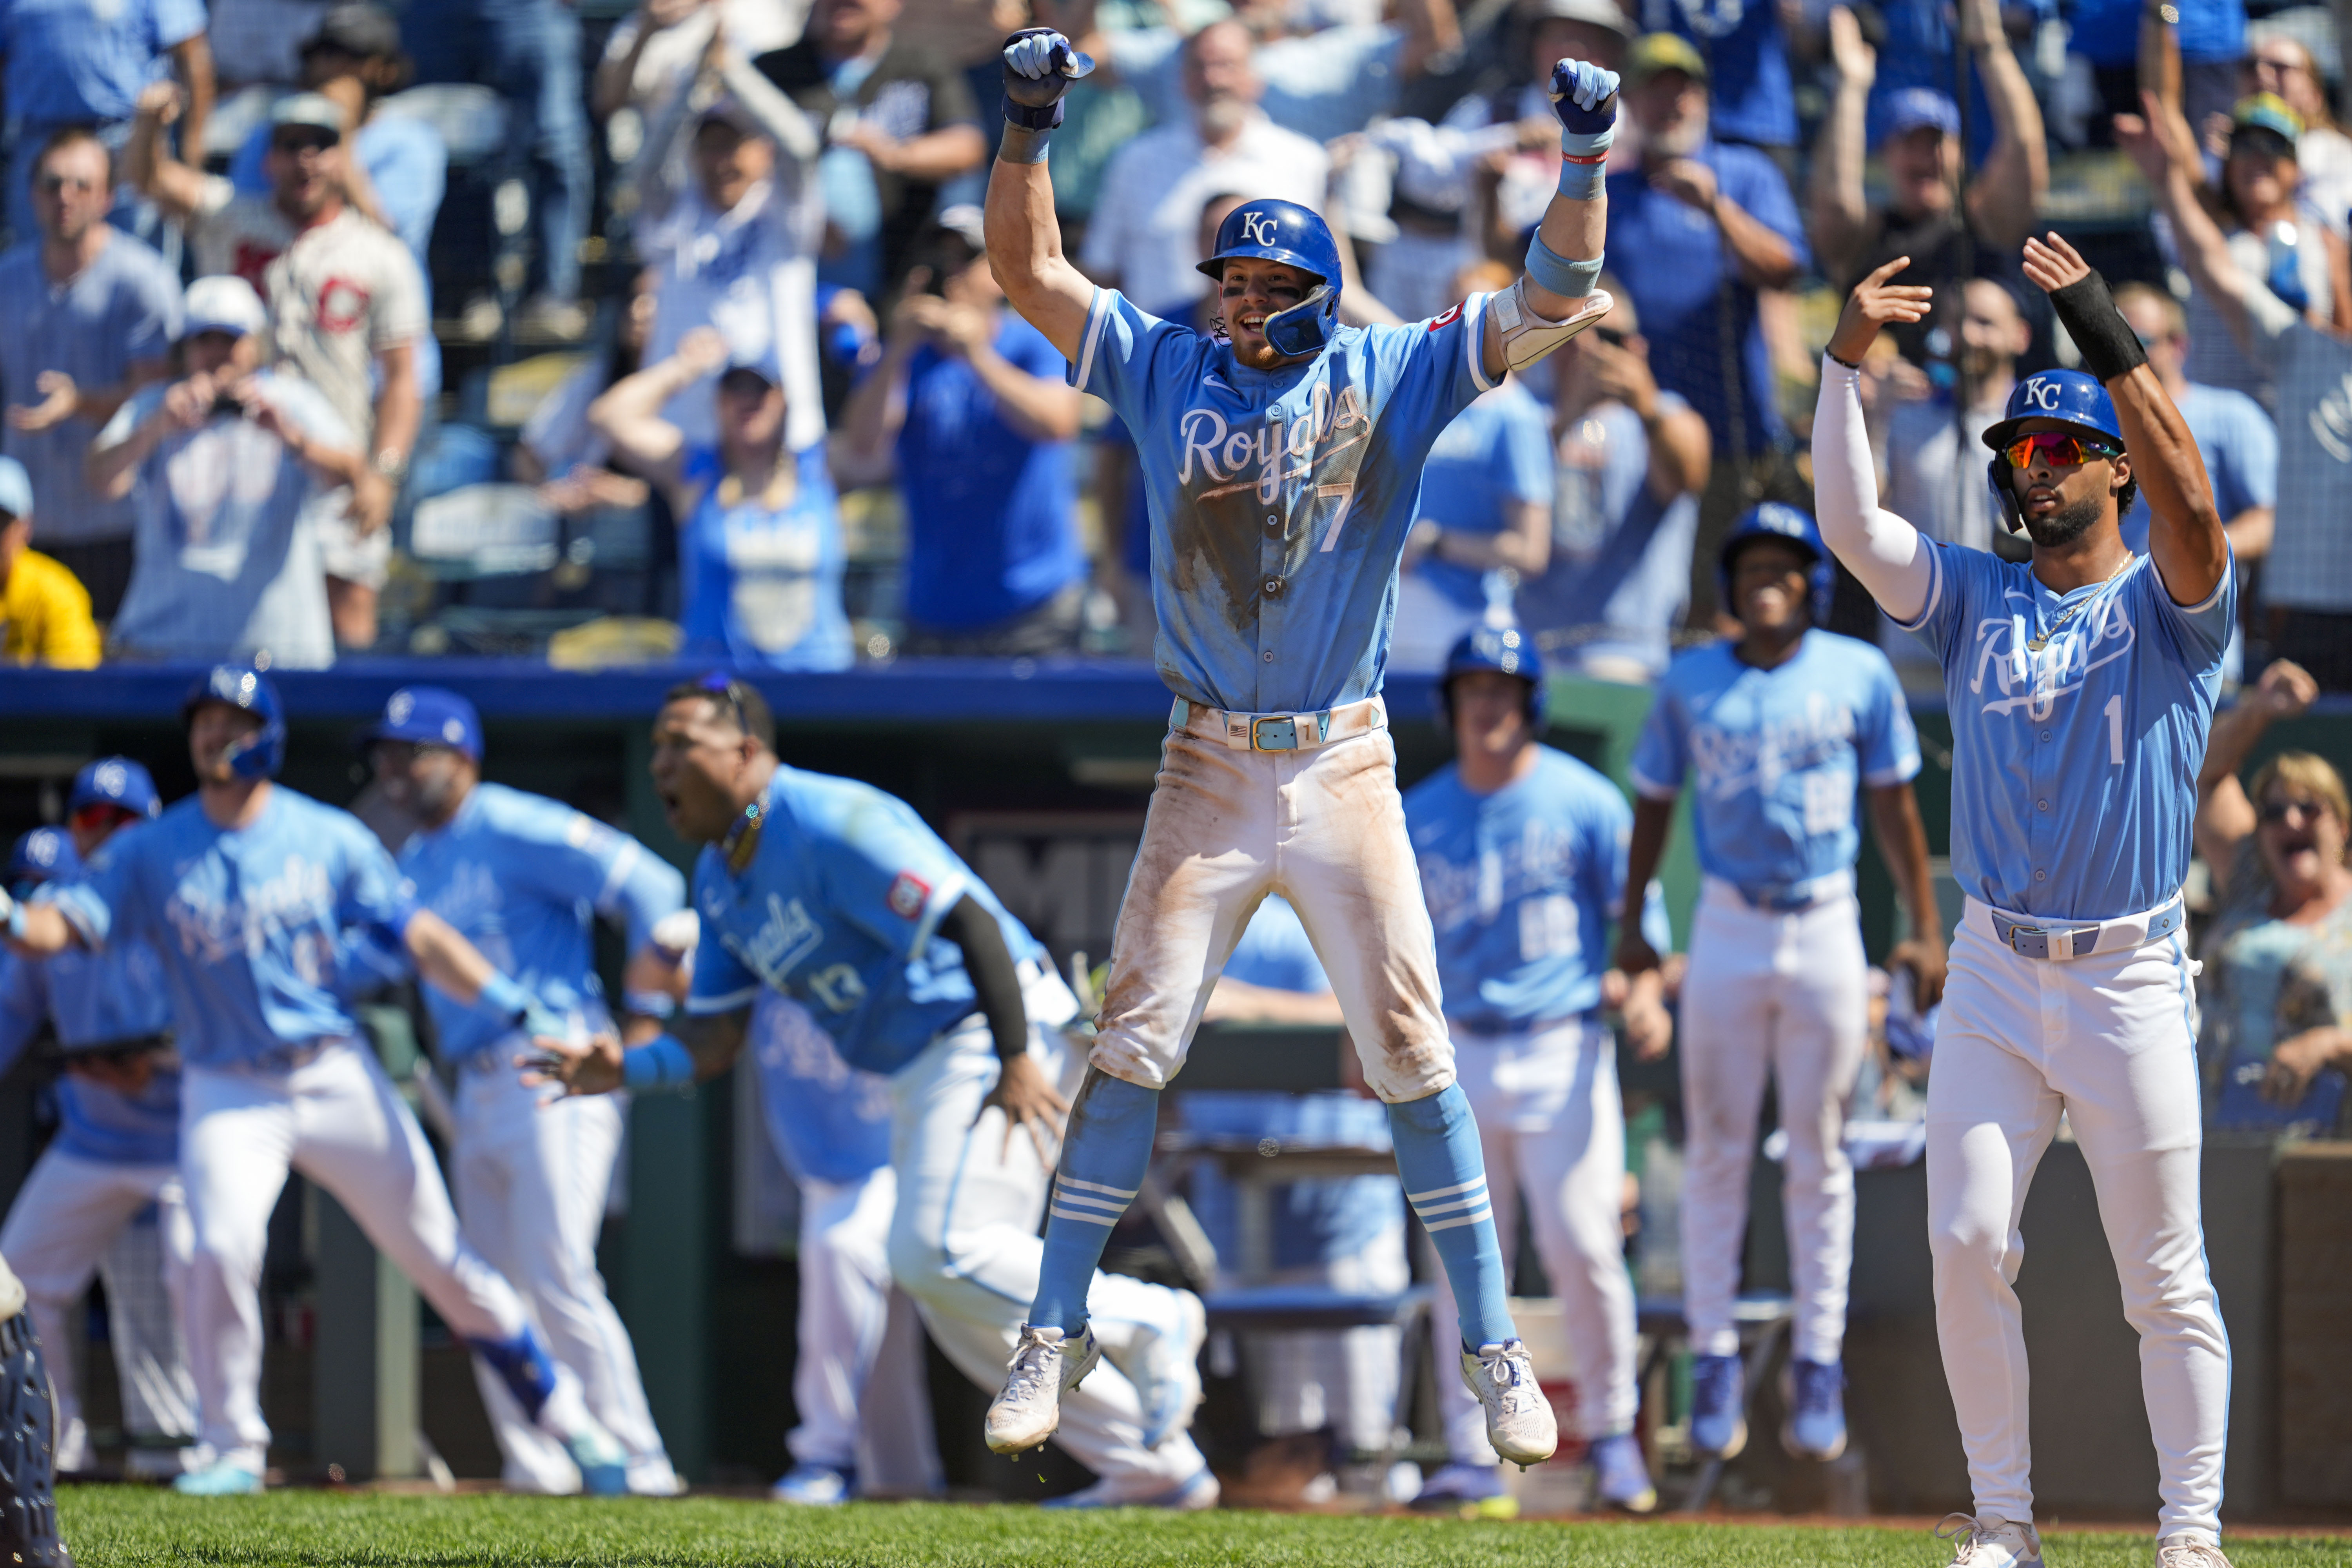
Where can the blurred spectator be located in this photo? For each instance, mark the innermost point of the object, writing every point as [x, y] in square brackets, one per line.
[974, 404]
[1485, 520]
[1631, 462]
[2212, 35]
[258, 43]
[1494, 145]
[558, 449]
[2281, 64]
[1102, 114]
[86, 316]
[1750, 98]
[736, 247]
[759, 555]
[399, 165]
[2308, 580]
[898, 122]
[346, 307]
[44, 614]
[1924, 216]
[85, 62]
[529, 52]
[2278, 986]
[1707, 225]
[1145, 238]
[235, 470]
[654, 52]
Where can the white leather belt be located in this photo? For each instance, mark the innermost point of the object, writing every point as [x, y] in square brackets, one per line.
[2060, 941]
[1278, 731]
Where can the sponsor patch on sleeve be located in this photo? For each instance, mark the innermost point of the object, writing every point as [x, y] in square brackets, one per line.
[908, 896]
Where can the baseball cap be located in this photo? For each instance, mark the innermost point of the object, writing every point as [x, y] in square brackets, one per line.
[1593, 13]
[223, 304]
[428, 716]
[2267, 112]
[1908, 109]
[1654, 52]
[730, 110]
[41, 856]
[368, 31]
[314, 109]
[967, 222]
[15, 488]
[114, 780]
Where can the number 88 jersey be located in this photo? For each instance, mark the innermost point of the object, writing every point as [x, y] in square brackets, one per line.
[2078, 724]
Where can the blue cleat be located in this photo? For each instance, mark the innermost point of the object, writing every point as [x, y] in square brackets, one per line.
[1187, 1497]
[1621, 1476]
[1815, 1393]
[604, 1466]
[1719, 1422]
[223, 1480]
[815, 1486]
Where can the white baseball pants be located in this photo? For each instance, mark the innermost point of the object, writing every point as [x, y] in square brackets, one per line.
[338, 1120]
[1553, 1130]
[1789, 993]
[2110, 1041]
[1325, 827]
[1344, 1379]
[964, 1244]
[74, 1217]
[530, 1185]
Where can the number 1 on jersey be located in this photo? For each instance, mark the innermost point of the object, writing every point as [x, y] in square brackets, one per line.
[1343, 494]
[2114, 711]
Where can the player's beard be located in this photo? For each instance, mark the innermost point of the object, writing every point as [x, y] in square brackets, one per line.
[2066, 525]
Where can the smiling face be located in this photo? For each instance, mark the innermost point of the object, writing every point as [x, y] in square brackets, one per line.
[1249, 291]
[305, 168]
[1490, 713]
[2062, 501]
[2261, 175]
[1771, 588]
[215, 731]
[704, 768]
[2301, 836]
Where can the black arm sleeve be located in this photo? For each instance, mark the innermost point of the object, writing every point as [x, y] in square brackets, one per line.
[994, 978]
[2110, 348]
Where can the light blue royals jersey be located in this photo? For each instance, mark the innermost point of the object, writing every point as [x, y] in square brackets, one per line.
[1779, 755]
[2073, 764]
[839, 909]
[1522, 885]
[247, 921]
[521, 877]
[96, 999]
[828, 1121]
[1279, 499]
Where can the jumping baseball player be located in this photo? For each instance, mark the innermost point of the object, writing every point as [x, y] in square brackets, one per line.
[837, 895]
[1522, 852]
[2080, 685]
[1782, 729]
[244, 889]
[1282, 463]
[105, 1196]
[521, 877]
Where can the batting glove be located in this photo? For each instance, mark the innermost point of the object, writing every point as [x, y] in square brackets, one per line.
[1039, 66]
[1584, 96]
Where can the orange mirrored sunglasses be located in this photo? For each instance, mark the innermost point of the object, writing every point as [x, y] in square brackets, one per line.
[2065, 448]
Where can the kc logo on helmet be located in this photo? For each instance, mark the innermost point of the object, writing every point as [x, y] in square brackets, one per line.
[1260, 228]
[2043, 393]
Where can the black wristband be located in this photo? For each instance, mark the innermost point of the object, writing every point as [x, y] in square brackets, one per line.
[1033, 116]
[2110, 348]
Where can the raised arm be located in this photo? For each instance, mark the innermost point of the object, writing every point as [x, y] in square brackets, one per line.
[779, 116]
[2007, 193]
[2226, 819]
[147, 161]
[1025, 238]
[629, 412]
[1565, 255]
[2185, 537]
[1884, 552]
[2251, 312]
[1836, 202]
[193, 57]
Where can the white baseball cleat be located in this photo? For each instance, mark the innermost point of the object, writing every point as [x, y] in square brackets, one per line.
[2189, 1551]
[1991, 1543]
[1029, 1408]
[1519, 1418]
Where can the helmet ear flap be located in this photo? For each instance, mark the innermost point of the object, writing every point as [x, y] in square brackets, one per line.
[1997, 473]
[1305, 327]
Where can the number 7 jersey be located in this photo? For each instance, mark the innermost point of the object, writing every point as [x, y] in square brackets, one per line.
[1279, 499]
[2078, 724]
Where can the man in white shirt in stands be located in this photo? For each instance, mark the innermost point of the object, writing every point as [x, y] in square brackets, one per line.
[346, 307]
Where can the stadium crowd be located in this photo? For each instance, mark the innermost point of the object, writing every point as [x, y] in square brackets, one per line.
[518, 326]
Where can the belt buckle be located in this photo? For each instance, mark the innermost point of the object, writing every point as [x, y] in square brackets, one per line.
[2029, 941]
[1274, 734]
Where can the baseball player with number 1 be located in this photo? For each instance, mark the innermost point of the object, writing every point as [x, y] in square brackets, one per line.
[1281, 461]
[2081, 685]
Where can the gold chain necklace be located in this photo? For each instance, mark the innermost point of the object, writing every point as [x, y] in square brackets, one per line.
[2038, 644]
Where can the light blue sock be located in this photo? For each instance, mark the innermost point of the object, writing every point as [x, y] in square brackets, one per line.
[1444, 1176]
[1104, 1155]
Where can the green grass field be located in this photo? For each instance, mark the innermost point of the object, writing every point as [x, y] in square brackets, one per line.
[113, 1527]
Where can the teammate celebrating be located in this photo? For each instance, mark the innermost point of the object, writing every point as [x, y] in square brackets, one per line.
[838, 896]
[105, 1196]
[519, 876]
[1782, 726]
[245, 889]
[2076, 743]
[1523, 862]
[1281, 461]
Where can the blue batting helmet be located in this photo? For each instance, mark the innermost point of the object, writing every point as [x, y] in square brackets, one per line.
[1772, 519]
[116, 781]
[428, 716]
[242, 686]
[1296, 237]
[2068, 395]
[44, 854]
[1508, 649]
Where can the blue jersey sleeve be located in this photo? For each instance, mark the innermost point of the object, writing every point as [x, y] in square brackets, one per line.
[888, 877]
[375, 896]
[1527, 453]
[1439, 370]
[24, 1006]
[2195, 633]
[1131, 359]
[575, 856]
[1662, 754]
[1888, 746]
[1951, 574]
[105, 901]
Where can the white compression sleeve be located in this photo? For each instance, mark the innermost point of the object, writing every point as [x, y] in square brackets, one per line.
[1884, 552]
